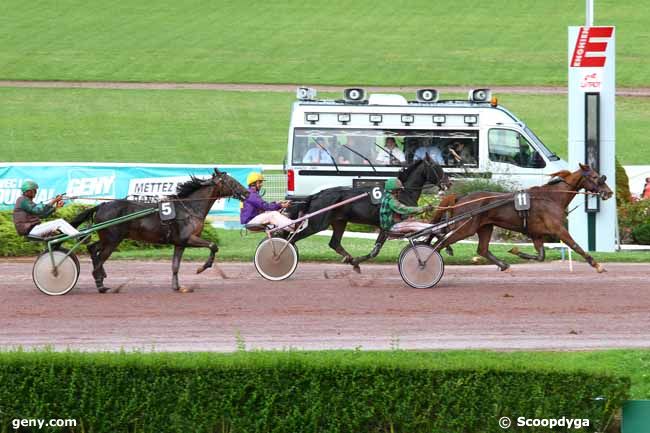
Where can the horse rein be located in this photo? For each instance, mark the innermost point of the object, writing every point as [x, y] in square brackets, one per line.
[505, 194]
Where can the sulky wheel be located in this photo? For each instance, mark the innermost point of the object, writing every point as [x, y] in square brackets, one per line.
[276, 259]
[60, 282]
[421, 266]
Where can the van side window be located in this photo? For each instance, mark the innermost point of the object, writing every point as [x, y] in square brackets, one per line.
[384, 147]
[461, 152]
[300, 148]
[510, 147]
[449, 148]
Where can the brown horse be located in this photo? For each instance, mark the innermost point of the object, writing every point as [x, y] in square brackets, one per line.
[547, 214]
[192, 203]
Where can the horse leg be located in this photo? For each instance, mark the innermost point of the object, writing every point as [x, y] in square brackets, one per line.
[338, 228]
[176, 264]
[444, 209]
[214, 249]
[99, 274]
[196, 241]
[379, 243]
[93, 251]
[538, 242]
[565, 237]
[484, 235]
[448, 249]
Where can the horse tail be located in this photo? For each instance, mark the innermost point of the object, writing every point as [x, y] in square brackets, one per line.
[83, 216]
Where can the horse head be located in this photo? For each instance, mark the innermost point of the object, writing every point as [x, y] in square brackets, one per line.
[595, 183]
[435, 174]
[424, 171]
[229, 185]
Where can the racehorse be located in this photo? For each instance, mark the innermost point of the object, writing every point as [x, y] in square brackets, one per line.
[192, 203]
[546, 217]
[363, 211]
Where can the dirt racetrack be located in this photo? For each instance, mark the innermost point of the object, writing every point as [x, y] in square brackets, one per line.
[537, 306]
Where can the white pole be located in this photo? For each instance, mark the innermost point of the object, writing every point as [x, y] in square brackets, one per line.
[589, 14]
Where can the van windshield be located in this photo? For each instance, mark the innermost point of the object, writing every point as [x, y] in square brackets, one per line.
[540, 145]
[383, 147]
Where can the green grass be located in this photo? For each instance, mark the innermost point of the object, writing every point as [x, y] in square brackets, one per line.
[191, 126]
[339, 42]
[143, 126]
[235, 247]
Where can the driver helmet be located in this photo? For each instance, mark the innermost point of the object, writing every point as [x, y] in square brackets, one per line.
[253, 177]
[28, 185]
[393, 184]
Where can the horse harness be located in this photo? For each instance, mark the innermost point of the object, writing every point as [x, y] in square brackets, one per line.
[522, 206]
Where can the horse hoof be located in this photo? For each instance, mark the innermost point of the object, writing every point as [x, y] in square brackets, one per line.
[185, 290]
[103, 289]
[347, 260]
[600, 268]
[356, 269]
[507, 270]
[476, 260]
[449, 251]
[514, 250]
[200, 269]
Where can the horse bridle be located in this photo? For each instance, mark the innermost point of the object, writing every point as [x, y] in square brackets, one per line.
[428, 180]
[583, 178]
[222, 177]
[595, 185]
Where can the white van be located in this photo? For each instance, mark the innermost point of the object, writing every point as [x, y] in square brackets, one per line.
[359, 141]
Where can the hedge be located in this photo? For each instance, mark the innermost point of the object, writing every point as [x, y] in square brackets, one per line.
[641, 234]
[623, 195]
[295, 392]
[632, 216]
[12, 244]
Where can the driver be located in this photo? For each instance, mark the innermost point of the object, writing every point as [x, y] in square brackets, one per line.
[392, 212]
[257, 211]
[27, 214]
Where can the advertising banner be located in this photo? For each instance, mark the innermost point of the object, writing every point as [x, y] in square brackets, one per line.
[96, 182]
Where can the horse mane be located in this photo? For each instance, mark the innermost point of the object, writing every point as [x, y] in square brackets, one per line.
[186, 188]
[406, 171]
[562, 173]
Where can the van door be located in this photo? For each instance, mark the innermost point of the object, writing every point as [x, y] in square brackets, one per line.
[512, 158]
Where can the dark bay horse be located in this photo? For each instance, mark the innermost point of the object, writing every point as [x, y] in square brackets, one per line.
[547, 214]
[192, 203]
[363, 211]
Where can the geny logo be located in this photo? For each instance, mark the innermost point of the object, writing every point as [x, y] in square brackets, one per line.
[91, 182]
[585, 46]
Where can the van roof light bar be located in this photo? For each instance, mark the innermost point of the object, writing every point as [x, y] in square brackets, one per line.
[427, 95]
[306, 93]
[480, 95]
[354, 94]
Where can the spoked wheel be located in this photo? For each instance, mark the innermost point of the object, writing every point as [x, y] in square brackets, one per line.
[421, 266]
[56, 282]
[276, 259]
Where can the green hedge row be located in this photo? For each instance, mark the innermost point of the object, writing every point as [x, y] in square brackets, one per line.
[12, 244]
[295, 392]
